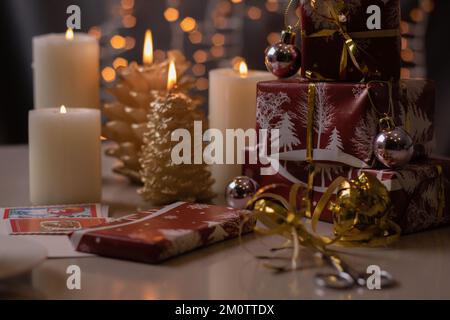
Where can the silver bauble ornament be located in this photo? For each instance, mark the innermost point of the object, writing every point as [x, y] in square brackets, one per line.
[283, 58]
[393, 146]
[239, 191]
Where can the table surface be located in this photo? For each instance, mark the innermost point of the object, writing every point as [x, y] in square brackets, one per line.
[225, 270]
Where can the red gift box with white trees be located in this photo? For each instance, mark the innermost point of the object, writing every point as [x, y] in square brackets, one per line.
[345, 122]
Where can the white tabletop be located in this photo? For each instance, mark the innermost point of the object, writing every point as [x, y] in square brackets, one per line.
[221, 271]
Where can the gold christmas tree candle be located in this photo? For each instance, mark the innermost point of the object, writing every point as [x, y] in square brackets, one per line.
[135, 90]
[164, 181]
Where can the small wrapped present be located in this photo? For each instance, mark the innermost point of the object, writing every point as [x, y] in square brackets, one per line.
[154, 236]
[350, 40]
[341, 120]
[419, 193]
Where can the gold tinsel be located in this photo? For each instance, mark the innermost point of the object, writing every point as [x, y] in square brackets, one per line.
[165, 182]
[127, 116]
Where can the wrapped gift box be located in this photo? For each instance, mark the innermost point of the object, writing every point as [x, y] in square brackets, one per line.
[323, 44]
[154, 236]
[344, 120]
[414, 191]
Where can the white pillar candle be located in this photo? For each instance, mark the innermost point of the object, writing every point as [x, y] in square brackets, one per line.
[65, 160]
[66, 71]
[232, 105]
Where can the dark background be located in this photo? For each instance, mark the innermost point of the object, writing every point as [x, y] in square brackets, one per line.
[20, 20]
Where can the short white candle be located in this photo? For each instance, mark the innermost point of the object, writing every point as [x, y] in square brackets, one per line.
[65, 159]
[66, 71]
[232, 105]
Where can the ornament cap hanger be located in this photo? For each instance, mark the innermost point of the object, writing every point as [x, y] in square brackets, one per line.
[387, 123]
[288, 36]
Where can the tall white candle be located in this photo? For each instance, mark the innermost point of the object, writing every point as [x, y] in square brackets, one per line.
[66, 71]
[65, 165]
[232, 105]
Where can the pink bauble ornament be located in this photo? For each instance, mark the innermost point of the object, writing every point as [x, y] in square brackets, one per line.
[393, 146]
[239, 191]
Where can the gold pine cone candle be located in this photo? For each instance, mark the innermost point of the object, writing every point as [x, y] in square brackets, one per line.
[165, 182]
[127, 116]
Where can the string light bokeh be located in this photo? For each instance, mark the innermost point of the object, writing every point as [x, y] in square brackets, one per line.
[215, 38]
[413, 28]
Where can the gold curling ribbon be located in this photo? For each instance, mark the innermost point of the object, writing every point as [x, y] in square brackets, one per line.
[361, 214]
[350, 48]
[284, 218]
[310, 121]
[309, 146]
[310, 191]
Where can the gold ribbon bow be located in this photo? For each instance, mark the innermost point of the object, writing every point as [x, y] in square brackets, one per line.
[361, 214]
[350, 49]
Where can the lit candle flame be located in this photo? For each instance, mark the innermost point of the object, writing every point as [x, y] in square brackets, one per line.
[148, 48]
[63, 110]
[69, 34]
[172, 76]
[243, 69]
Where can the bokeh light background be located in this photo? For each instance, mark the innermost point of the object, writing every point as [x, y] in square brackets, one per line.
[211, 33]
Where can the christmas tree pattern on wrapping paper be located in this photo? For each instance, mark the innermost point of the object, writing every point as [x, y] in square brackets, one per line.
[365, 132]
[288, 136]
[273, 113]
[324, 116]
[335, 139]
[324, 112]
[269, 108]
[335, 142]
[325, 126]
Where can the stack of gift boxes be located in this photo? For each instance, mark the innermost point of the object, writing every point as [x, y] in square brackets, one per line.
[350, 73]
